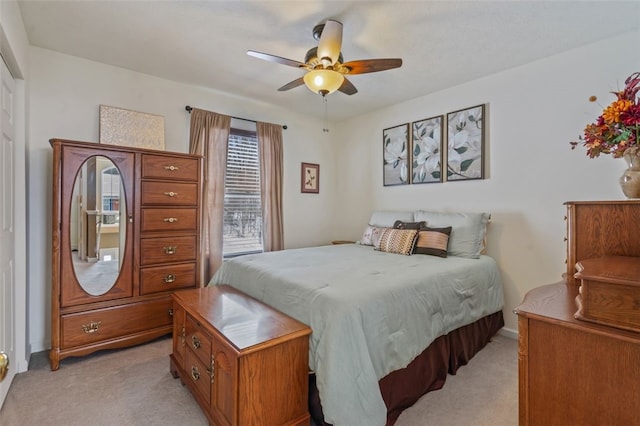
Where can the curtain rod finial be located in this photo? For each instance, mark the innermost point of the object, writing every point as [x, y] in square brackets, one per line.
[188, 108]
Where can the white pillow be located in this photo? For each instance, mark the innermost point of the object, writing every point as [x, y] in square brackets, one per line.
[371, 235]
[386, 218]
[467, 230]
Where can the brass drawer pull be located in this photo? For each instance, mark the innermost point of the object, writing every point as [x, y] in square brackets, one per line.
[195, 342]
[169, 278]
[170, 194]
[92, 327]
[170, 219]
[195, 374]
[170, 250]
[171, 168]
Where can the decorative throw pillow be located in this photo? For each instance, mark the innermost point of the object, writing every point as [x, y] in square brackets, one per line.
[433, 241]
[399, 241]
[398, 224]
[371, 235]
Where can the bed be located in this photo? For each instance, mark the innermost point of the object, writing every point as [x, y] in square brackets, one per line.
[377, 318]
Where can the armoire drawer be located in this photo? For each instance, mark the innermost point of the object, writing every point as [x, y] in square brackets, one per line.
[161, 220]
[167, 278]
[108, 323]
[167, 249]
[169, 193]
[165, 167]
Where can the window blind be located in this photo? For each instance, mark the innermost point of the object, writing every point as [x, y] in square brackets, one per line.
[242, 223]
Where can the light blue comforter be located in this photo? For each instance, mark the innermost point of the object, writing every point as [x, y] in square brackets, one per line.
[371, 312]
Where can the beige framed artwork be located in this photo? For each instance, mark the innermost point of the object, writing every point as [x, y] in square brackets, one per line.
[125, 127]
[310, 178]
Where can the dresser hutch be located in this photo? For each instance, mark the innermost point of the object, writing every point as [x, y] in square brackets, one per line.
[579, 339]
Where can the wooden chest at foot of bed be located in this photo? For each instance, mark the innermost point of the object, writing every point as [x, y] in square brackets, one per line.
[610, 291]
[244, 362]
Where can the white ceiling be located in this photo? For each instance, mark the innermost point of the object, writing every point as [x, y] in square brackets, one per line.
[442, 43]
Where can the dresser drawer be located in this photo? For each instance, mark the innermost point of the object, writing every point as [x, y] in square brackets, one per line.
[165, 167]
[199, 375]
[108, 323]
[167, 250]
[198, 340]
[169, 193]
[160, 220]
[167, 278]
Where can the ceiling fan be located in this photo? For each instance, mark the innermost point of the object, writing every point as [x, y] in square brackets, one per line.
[326, 69]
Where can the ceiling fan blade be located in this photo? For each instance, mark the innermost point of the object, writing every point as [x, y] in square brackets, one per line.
[293, 84]
[370, 65]
[276, 59]
[348, 88]
[330, 42]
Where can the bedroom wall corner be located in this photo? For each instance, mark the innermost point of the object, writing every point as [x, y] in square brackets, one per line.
[533, 112]
[65, 95]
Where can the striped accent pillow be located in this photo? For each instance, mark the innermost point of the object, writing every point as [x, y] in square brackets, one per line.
[433, 241]
[400, 241]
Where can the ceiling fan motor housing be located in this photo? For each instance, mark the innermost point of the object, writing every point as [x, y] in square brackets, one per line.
[311, 58]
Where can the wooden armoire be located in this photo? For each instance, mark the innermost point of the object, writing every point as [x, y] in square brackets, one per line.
[125, 235]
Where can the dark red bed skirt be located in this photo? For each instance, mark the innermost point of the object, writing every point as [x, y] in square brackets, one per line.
[428, 371]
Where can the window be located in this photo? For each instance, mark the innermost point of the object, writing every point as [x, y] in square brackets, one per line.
[242, 233]
[110, 195]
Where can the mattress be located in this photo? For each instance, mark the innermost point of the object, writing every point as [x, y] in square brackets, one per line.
[367, 310]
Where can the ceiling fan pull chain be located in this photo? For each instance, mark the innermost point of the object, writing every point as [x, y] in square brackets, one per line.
[326, 118]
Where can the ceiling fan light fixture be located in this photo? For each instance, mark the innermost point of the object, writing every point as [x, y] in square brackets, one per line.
[323, 81]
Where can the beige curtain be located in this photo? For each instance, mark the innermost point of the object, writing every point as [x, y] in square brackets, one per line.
[209, 136]
[271, 158]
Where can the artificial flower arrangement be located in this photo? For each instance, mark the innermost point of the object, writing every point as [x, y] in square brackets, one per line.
[617, 129]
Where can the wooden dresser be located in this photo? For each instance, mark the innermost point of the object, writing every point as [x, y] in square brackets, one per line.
[579, 363]
[125, 236]
[244, 362]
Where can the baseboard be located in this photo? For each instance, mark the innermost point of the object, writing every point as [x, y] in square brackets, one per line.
[507, 332]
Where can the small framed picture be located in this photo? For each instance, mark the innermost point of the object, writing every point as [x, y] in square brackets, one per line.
[310, 178]
[465, 144]
[395, 155]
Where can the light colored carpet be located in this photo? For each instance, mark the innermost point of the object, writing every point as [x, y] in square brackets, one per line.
[133, 387]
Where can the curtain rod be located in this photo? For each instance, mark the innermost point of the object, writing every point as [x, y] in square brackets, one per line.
[189, 108]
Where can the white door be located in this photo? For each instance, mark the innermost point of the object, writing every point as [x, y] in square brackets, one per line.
[7, 230]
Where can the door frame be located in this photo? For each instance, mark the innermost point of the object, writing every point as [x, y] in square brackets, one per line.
[21, 346]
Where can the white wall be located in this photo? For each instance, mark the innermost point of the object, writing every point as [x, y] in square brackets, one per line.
[65, 95]
[533, 112]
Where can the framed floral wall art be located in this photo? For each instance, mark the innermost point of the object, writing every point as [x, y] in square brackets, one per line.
[465, 144]
[395, 149]
[426, 150]
[310, 178]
